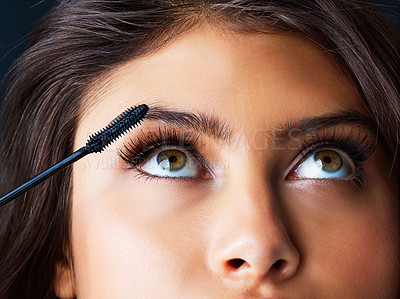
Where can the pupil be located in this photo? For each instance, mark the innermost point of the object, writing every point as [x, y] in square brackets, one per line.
[327, 160]
[172, 159]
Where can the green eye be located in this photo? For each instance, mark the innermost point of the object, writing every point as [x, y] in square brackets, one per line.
[330, 161]
[172, 160]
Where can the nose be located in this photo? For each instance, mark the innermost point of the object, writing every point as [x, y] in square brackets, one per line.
[250, 241]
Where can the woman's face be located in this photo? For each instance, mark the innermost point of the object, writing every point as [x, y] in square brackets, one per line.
[272, 189]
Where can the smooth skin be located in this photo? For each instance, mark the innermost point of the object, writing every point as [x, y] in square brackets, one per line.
[134, 237]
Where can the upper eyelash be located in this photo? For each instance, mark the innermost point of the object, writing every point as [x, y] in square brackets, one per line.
[359, 147]
[135, 152]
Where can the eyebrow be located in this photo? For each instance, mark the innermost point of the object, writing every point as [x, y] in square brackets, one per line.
[213, 126]
[201, 122]
[306, 125]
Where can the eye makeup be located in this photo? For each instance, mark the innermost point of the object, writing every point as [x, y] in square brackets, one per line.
[358, 147]
[137, 151]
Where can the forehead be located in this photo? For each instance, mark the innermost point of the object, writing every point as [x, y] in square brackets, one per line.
[270, 77]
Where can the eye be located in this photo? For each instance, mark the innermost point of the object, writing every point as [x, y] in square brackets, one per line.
[171, 163]
[325, 164]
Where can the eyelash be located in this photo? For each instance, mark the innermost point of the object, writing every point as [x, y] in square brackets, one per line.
[137, 152]
[359, 148]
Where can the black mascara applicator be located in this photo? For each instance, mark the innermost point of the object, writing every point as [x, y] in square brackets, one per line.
[96, 143]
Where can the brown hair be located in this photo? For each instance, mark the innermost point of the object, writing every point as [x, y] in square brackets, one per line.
[80, 40]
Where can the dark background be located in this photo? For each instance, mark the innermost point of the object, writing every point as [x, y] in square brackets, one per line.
[18, 16]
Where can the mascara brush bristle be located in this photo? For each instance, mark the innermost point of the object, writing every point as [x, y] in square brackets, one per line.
[124, 122]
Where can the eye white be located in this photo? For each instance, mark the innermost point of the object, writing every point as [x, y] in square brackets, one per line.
[162, 169]
[311, 168]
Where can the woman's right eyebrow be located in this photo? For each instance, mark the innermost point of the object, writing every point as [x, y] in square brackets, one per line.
[212, 125]
[201, 122]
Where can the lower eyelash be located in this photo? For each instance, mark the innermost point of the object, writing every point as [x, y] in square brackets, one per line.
[147, 176]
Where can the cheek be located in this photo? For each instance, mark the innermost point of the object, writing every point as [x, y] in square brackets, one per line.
[134, 239]
[113, 254]
[349, 239]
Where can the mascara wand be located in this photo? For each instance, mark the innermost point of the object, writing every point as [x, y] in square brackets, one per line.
[95, 144]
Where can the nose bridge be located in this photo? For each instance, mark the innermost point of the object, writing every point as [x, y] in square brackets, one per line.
[250, 239]
[249, 193]
[252, 213]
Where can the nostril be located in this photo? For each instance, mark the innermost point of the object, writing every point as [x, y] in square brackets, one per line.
[279, 264]
[236, 263]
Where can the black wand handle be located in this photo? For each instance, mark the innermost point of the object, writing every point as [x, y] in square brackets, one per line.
[43, 175]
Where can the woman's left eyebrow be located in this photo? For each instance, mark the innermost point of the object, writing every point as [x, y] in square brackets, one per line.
[311, 124]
